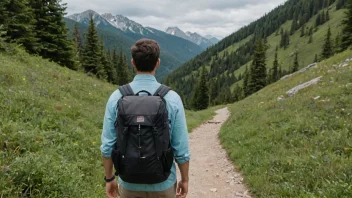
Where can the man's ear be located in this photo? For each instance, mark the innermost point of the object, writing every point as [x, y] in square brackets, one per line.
[157, 64]
[133, 63]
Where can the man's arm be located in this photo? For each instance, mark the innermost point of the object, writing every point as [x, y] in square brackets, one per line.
[108, 139]
[109, 167]
[180, 145]
[182, 187]
[179, 133]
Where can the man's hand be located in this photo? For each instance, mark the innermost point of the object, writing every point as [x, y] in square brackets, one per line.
[182, 189]
[112, 189]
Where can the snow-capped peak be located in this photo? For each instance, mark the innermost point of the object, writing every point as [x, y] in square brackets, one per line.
[84, 17]
[125, 24]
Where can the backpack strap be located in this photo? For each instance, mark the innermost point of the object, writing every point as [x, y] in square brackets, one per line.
[162, 91]
[126, 90]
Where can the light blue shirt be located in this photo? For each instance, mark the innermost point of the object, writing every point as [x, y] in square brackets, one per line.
[178, 130]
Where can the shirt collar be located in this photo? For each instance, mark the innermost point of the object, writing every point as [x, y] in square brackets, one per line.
[144, 77]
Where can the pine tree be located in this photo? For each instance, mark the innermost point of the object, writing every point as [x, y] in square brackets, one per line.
[340, 4]
[110, 71]
[327, 48]
[347, 28]
[275, 71]
[213, 92]
[257, 79]
[200, 99]
[303, 31]
[77, 39]
[327, 16]
[18, 20]
[322, 18]
[237, 93]
[122, 70]
[318, 20]
[281, 74]
[293, 26]
[245, 87]
[91, 55]
[104, 66]
[295, 64]
[285, 39]
[115, 64]
[338, 43]
[51, 30]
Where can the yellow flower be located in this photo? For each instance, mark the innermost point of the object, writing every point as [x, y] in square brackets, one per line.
[94, 143]
[24, 79]
[75, 143]
[347, 149]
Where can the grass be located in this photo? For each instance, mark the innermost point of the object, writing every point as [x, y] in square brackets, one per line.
[50, 127]
[300, 146]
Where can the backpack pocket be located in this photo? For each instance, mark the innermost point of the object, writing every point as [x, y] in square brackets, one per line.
[116, 159]
[167, 159]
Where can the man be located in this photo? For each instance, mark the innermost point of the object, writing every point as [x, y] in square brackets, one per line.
[145, 59]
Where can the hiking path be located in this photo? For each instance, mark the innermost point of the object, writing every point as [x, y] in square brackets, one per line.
[212, 174]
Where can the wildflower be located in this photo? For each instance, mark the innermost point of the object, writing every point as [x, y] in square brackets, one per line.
[75, 143]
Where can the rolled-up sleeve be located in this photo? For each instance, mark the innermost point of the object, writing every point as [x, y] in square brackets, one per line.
[179, 133]
[108, 136]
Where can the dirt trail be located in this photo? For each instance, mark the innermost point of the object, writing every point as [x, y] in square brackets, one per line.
[212, 173]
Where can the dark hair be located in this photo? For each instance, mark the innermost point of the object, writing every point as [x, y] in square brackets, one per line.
[145, 54]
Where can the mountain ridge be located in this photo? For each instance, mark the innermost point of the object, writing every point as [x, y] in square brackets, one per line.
[174, 50]
[193, 37]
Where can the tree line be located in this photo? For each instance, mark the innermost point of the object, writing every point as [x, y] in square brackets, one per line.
[39, 27]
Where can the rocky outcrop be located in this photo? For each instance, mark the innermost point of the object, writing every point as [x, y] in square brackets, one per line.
[300, 71]
[296, 89]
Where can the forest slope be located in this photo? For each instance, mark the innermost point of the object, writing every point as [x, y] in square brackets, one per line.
[227, 60]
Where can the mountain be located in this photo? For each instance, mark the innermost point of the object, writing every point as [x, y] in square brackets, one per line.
[193, 37]
[174, 50]
[199, 40]
[212, 39]
[227, 60]
[177, 32]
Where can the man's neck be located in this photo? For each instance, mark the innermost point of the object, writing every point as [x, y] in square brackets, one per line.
[146, 73]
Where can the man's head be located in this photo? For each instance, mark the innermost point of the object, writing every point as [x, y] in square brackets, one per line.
[145, 55]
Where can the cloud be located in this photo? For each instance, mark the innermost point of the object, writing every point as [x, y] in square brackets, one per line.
[216, 17]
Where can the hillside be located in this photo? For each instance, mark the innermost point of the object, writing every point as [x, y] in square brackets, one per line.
[227, 60]
[122, 32]
[296, 146]
[50, 125]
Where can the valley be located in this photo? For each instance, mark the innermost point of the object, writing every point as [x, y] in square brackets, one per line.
[268, 108]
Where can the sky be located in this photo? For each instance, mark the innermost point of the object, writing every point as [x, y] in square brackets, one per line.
[219, 18]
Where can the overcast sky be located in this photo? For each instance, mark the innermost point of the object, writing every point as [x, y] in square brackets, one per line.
[216, 17]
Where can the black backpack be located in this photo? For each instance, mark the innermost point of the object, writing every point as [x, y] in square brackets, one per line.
[142, 153]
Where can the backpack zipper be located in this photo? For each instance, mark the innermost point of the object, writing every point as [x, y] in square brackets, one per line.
[139, 141]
